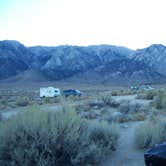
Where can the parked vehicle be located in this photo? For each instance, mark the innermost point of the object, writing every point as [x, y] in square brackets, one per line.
[134, 88]
[142, 88]
[49, 92]
[146, 88]
[72, 92]
[156, 156]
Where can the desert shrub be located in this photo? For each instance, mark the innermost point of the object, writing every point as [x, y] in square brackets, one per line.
[95, 104]
[124, 106]
[150, 133]
[139, 116]
[54, 138]
[3, 103]
[127, 107]
[91, 104]
[160, 100]
[132, 111]
[49, 100]
[58, 100]
[22, 101]
[0, 117]
[82, 107]
[113, 116]
[150, 95]
[88, 111]
[104, 134]
[108, 100]
[114, 93]
[141, 96]
[122, 118]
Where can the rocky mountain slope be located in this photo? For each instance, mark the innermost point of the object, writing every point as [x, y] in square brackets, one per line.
[154, 56]
[94, 64]
[13, 58]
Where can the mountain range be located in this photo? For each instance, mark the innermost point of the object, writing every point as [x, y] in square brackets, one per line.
[106, 64]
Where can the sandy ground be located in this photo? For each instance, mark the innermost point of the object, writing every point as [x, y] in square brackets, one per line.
[126, 154]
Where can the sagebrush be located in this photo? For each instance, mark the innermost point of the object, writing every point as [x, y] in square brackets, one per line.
[160, 100]
[150, 133]
[47, 138]
[22, 101]
[108, 100]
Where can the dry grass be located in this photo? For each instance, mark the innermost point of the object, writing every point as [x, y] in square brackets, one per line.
[151, 132]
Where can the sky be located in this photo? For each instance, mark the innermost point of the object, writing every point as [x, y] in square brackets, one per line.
[131, 23]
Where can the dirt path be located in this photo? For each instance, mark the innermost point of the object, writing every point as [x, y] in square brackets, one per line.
[126, 154]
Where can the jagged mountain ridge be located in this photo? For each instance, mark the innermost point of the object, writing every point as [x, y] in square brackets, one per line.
[14, 58]
[98, 63]
[154, 56]
[67, 61]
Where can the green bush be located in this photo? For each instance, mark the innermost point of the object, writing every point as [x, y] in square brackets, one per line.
[150, 133]
[22, 101]
[54, 138]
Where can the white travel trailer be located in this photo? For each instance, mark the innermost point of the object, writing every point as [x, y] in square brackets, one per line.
[49, 92]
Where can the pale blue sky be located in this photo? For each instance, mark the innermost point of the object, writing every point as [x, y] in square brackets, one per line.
[131, 23]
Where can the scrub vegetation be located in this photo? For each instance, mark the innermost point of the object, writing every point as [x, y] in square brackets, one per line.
[36, 137]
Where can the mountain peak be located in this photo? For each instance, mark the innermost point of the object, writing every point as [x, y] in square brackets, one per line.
[157, 45]
[102, 63]
[11, 43]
